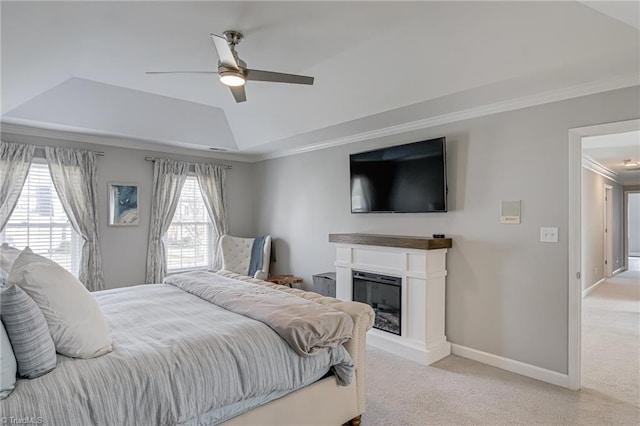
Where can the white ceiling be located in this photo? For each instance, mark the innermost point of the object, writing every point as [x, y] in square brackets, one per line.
[80, 66]
[610, 151]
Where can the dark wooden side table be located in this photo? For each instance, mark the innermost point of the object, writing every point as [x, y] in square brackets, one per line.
[284, 279]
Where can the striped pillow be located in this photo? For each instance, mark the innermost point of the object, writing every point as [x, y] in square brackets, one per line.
[7, 364]
[28, 332]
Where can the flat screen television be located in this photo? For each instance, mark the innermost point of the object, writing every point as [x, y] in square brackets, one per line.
[410, 178]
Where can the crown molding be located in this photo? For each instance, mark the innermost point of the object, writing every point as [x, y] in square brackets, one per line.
[619, 82]
[29, 129]
[591, 164]
[8, 126]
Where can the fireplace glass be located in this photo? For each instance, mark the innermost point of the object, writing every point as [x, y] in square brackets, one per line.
[383, 294]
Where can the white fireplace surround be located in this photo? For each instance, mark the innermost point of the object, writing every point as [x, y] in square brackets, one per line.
[423, 274]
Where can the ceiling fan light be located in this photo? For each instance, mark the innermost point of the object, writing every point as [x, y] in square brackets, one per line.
[233, 79]
[631, 164]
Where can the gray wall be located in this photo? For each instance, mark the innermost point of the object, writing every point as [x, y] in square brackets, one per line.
[633, 211]
[506, 291]
[593, 227]
[124, 249]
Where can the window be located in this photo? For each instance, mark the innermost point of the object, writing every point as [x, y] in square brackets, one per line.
[360, 194]
[39, 222]
[189, 238]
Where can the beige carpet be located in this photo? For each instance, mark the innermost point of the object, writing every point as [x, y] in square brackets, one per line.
[457, 391]
[611, 338]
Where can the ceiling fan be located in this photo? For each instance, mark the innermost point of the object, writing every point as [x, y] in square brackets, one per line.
[233, 71]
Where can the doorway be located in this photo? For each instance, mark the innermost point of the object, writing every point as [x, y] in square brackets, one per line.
[575, 278]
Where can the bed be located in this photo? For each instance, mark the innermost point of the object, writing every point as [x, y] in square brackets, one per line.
[182, 356]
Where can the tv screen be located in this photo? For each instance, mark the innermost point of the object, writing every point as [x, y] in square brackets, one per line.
[410, 178]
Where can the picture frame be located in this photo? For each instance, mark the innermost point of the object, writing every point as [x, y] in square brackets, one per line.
[123, 204]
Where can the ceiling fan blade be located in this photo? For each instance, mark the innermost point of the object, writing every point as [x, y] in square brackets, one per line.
[181, 72]
[224, 52]
[238, 93]
[278, 77]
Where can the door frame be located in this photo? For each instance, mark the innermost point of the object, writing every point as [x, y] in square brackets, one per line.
[625, 214]
[574, 279]
[607, 228]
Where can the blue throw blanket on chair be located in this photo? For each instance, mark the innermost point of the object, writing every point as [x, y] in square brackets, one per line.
[257, 253]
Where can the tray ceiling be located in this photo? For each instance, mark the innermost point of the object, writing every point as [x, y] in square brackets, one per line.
[80, 66]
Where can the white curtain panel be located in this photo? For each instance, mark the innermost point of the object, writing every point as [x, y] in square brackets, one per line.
[74, 175]
[168, 180]
[213, 182]
[15, 160]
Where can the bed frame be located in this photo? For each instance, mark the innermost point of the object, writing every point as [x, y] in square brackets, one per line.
[322, 403]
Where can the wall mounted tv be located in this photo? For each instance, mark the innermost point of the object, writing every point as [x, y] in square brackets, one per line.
[410, 178]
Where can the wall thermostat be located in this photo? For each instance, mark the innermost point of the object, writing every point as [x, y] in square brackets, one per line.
[510, 211]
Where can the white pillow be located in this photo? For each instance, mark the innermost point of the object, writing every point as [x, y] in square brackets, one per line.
[75, 320]
[8, 255]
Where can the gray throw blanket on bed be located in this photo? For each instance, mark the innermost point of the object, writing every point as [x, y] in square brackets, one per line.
[305, 325]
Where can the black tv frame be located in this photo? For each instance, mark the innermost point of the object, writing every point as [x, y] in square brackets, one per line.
[446, 187]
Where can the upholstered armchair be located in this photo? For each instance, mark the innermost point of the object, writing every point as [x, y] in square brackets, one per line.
[246, 256]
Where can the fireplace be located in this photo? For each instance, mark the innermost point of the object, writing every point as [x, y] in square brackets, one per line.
[383, 294]
[415, 274]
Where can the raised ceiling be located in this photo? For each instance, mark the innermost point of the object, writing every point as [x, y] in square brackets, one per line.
[80, 66]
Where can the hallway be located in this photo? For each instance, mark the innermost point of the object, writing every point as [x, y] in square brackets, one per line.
[611, 337]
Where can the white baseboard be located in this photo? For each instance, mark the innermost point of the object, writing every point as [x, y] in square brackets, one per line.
[514, 366]
[619, 270]
[592, 287]
[408, 349]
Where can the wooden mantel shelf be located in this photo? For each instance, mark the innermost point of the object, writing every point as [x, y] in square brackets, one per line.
[417, 243]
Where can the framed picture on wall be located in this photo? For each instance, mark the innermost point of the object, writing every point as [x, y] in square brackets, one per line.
[123, 204]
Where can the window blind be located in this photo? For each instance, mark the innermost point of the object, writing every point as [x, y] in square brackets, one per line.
[189, 238]
[40, 223]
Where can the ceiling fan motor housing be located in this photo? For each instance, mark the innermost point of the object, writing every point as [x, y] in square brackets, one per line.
[233, 37]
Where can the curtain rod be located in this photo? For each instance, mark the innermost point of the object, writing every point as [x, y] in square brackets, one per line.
[226, 166]
[98, 153]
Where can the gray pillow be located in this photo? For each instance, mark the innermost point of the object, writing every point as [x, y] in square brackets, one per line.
[28, 332]
[8, 366]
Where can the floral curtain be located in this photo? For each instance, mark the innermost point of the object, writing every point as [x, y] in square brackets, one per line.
[168, 179]
[74, 175]
[15, 160]
[213, 180]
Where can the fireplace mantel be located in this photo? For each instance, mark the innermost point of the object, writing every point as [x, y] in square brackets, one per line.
[401, 241]
[420, 262]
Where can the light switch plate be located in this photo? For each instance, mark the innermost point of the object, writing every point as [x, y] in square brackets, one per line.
[548, 235]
